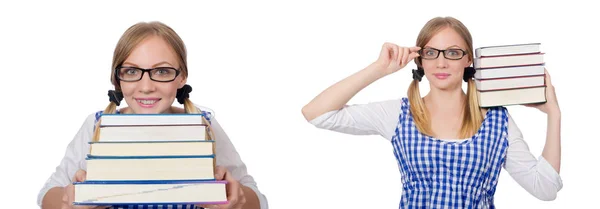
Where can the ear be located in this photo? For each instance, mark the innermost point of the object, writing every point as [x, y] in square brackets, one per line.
[182, 83]
[469, 62]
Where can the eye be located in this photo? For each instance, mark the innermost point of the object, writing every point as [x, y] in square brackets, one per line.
[454, 53]
[430, 52]
[164, 71]
[130, 71]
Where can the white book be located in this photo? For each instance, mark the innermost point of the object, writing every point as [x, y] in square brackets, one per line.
[507, 49]
[509, 60]
[146, 169]
[509, 83]
[150, 119]
[213, 192]
[506, 72]
[512, 97]
[153, 133]
[157, 148]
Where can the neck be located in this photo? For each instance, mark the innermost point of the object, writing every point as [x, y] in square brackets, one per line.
[449, 101]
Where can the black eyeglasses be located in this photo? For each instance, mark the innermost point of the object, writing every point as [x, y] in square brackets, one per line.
[160, 74]
[433, 53]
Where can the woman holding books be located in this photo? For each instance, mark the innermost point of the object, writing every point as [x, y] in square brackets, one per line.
[154, 48]
[449, 150]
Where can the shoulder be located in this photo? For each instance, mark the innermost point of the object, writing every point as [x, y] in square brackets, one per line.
[208, 112]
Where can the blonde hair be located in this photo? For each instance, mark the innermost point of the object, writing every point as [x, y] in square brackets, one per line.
[473, 114]
[129, 40]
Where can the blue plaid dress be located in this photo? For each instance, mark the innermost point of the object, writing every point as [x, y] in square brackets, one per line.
[443, 174]
[206, 115]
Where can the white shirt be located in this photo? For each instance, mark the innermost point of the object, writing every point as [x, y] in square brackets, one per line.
[78, 148]
[536, 176]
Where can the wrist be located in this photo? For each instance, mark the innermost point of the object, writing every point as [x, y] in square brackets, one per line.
[554, 114]
[377, 69]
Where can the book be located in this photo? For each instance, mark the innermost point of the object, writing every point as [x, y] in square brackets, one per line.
[151, 119]
[153, 133]
[528, 48]
[150, 168]
[512, 97]
[151, 159]
[509, 60]
[509, 83]
[151, 148]
[150, 193]
[507, 72]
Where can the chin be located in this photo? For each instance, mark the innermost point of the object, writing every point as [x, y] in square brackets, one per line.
[142, 110]
[446, 85]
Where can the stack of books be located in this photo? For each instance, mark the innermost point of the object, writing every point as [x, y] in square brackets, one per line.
[510, 75]
[149, 159]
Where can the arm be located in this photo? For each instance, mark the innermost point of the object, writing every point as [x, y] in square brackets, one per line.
[50, 196]
[536, 176]
[552, 147]
[53, 198]
[552, 151]
[391, 59]
[228, 157]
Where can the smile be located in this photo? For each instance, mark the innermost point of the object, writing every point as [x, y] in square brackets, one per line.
[147, 102]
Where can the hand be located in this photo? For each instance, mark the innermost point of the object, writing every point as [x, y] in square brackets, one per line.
[393, 58]
[69, 194]
[551, 105]
[235, 195]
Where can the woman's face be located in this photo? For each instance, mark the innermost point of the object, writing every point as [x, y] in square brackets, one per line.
[147, 96]
[441, 72]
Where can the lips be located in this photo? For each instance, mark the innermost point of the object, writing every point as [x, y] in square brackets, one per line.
[147, 102]
[441, 75]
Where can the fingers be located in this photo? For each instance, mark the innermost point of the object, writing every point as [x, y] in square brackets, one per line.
[220, 172]
[413, 55]
[233, 190]
[395, 52]
[69, 195]
[242, 200]
[404, 56]
[80, 176]
[547, 79]
[389, 52]
[65, 201]
[414, 49]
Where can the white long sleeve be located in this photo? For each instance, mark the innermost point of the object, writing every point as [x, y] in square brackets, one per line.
[78, 148]
[536, 176]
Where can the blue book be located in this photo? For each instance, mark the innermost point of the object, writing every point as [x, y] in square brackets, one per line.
[145, 168]
[150, 193]
[152, 148]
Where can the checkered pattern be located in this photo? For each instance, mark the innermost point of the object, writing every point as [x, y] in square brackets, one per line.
[155, 206]
[442, 174]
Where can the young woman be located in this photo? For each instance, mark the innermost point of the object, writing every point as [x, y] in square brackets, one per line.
[149, 71]
[449, 150]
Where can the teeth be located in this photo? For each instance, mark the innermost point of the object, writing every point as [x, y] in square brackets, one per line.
[147, 102]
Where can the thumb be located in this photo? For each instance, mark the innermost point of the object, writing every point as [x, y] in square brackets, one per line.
[80, 176]
[220, 173]
[413, 55]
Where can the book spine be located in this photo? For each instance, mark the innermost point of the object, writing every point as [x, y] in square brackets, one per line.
[94, 157]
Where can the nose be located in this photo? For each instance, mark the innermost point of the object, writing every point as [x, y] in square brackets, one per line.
[146, 85]
[441, 61]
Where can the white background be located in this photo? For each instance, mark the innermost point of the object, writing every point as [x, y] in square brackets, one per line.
[257, 63]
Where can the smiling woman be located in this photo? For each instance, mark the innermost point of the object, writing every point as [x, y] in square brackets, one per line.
[149, 71]
[449, 150]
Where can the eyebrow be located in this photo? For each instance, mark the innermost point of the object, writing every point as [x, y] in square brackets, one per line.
[157, 64]
[456, 46]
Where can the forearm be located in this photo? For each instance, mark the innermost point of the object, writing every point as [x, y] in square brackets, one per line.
[53, 198]
[252, 201]
[552, 149]
[337, 95]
